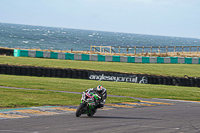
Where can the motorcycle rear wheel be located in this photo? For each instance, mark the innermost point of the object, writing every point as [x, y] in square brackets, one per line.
[92, 113]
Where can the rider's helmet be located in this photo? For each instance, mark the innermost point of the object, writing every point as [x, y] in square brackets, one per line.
[99, 88]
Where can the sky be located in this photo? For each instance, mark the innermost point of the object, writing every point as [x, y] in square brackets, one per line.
[180, 18]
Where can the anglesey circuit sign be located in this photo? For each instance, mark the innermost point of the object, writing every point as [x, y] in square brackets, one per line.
[118, 77]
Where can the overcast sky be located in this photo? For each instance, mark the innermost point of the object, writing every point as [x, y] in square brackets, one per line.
[155, 17]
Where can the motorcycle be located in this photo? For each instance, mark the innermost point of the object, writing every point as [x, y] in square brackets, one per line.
[88, 105]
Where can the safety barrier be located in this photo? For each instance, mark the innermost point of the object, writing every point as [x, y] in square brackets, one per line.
[105, 58]
[8, 52]
[98, 75]
[43, 71]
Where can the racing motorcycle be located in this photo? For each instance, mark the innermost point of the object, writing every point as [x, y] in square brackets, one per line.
[88, 105]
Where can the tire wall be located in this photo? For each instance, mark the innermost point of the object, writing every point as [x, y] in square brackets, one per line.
[98, 75]
[43, 71]
[7, 52]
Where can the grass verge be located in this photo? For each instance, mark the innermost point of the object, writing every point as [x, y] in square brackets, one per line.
[179, 70]
[11, 98]
[113, 88]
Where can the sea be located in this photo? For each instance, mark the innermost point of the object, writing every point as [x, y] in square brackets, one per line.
[56, 38]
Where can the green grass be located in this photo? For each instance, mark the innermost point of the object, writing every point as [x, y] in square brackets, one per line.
[113, 88]
[27, 98]
[11, 98]
[179, 70]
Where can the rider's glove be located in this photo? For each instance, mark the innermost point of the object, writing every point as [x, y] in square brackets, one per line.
[98, 96]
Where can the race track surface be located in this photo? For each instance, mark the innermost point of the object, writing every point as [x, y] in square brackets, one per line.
[170, 117]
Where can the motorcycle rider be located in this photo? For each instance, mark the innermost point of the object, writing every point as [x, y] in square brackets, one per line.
[101, 92]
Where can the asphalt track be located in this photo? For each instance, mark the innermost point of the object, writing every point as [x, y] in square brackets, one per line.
[181, 117]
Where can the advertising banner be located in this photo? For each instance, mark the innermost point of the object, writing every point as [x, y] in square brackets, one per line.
[117, 77]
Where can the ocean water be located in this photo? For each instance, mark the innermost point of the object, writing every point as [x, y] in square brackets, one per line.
[40, 37]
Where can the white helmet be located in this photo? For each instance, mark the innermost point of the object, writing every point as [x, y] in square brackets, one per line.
[99, 88]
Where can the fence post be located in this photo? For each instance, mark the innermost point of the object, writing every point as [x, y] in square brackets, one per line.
[174, 49]
[142, 49]
[182, 49]
[151, 50]
[119, 49]
[190, 49]
[197, 49]
[127, 50]
[135, 50]
[166, 49]
[110, 49]
[159, 49]
[91, 48]
[100, 48]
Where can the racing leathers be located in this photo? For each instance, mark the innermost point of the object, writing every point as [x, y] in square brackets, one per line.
[101, 94]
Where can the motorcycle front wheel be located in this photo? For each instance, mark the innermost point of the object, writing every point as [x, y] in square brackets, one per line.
[79, 110]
